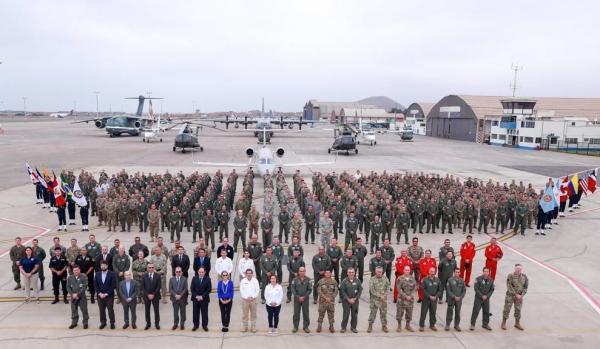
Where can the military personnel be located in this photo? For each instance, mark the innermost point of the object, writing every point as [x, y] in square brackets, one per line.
[295, 245]
[16, 253]
[335, 253]
[446, 269]
[447, 217]
[295, 262]
[387, 220]
[195, 218]
[407, 287]
[346, 262]
[210, 225]
[160, 266]
[484, 287]
[469, 215]
[415, 253]
[58, 267]
[402, 223]
[334, 215]
[351, 228]
[268, 266]
[284, 223]
[301, 288]
[432, 289]
[40, 255]
[432, 212]
[521, 211]
[311, 221]
[455, 292]
[153, 220]
[484, 217]
[376, 228]
[138, 269]
[501, 216]
[375, 262]
[122, 214]
[86, 266]
[360, 252]
[175, 224]
[240, 223]
[111, 214]
[327, 289]
[350, 292]
[320, 263]
[369, 218]
[164, 209]
[142, 211]
[296, 225]
[93, 248]
[71, 254]
[388, 255]
[223, 219]
[253, 219]
[379, 286]
[121, 264]
[137, 246]
[255, 248]
[76, 286]
[266, 226]
[517, 284]
[326, 229]
[279, 253]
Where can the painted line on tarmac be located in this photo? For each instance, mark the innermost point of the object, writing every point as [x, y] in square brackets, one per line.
[582, 290]
[578, 212]
[41, 232]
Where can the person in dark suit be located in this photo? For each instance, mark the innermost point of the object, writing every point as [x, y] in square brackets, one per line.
[200, 288]
[103, 256]
[202, 261]
[105, 283]
[178, 287]
[127, 292]
[182, 261]
[151, 292]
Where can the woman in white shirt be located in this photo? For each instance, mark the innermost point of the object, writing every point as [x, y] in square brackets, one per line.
[273, 297]
[245, 264]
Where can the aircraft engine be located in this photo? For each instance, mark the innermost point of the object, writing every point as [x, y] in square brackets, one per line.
[280, 152]
[236, 125]
[291, 126]
[99, 123]
[137, 124]
[249, 152]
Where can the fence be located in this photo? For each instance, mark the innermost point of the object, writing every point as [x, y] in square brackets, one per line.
[583, 148]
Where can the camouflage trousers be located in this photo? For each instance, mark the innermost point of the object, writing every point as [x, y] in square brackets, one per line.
[328, 308]
[508, 303]
[404, 309]
[377, 304]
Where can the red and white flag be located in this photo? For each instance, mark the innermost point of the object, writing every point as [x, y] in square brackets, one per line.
[591, 184]
[583, 182]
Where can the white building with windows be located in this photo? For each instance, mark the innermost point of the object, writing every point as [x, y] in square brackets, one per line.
[526, 125]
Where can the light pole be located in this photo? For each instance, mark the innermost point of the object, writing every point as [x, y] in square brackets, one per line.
[97, 108]
[24, 106]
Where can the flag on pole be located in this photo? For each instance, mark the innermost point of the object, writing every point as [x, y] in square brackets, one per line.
[556, 191]
[547, 200]
[32, 175]
[592, 181]
[78, 196]
[574, 185]
[583, 183]
[42, 179]
[564, 189]
[58, 193]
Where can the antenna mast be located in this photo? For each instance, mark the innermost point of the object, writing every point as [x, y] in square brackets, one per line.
[514, 85]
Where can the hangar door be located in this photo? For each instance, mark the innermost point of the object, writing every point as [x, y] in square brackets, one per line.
[452, 125]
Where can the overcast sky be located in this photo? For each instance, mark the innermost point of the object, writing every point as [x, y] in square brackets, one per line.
[226, 55]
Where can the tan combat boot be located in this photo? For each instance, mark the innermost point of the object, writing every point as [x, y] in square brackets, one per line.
[331, 329]
[399, 329]
[384, 328]
[319, 327]
[518, 325]
[503, 326]
[370, 329]
[408, 327]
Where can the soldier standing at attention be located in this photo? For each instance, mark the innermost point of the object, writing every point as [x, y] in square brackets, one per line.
[138, 269]
[432, 289]
[175, 223]
[351, 228]
[58, 267]
[379, 287]
[266, 226]
[335, 254]
[210, 224]
[268, 266]
[240, 223]
[446, 269]
[121, 264]
[301, 289]
[223, 218]
[253, 217]
[142, 211]
[284, 223]
[455, 290]
[360, 252]
[153, 220]
[320, 264]
[388, 255]
[376, 228]
[16, 253]
[76, 286]
[164, 209]
[402, 222]
[326, 228]
[255, 248]
[407, 287]
[415, 253]
[484, 287]
[350, 291]
[296, 226]
[196, 218]
[278, 253]
[327, 289]
[516, 288]
[295, 262]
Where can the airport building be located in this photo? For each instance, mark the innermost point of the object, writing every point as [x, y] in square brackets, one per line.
[519, 122]
[317, 110]
[415, 116]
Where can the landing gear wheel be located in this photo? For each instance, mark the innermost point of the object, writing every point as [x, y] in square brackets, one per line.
[183, 151]
[375, 143]
[143, 140]
[111, 135]
[201, 149]
[329, 151]
[174, 149]
[161, 140]
[355, 151]
[347, 153]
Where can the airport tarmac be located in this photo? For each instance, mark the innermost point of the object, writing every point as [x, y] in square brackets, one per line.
[561, 309]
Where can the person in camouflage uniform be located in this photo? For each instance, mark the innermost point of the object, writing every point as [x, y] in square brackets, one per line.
[111, 214]
[175, 223]
[196, 219]
[253, 220]
[266, 226]
[517, 284]
[320, 264]
[379, 287]
[121, 264]
[138, 268]
[327, 289]
[164, 209]
[210, 224]
[296, 225]
[153, 222]
[407, 287]
[284, 223]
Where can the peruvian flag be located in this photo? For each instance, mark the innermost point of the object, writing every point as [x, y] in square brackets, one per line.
[58, 193]
[591, 185]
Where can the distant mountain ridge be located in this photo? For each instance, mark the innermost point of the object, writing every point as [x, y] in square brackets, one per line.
[382, 102]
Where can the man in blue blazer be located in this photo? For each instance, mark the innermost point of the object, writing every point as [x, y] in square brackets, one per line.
[200, 288]
[202, 260]
[127, 291]
[105, 283]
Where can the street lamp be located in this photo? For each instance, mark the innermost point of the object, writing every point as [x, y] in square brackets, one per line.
[97, 109]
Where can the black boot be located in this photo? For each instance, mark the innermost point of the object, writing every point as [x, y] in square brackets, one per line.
[42, 286]
[55, 300]
[65, 299]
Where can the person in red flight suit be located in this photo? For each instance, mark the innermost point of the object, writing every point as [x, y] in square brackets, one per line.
[493, 253]
[401, 261]
[425, 264]
[467, 254]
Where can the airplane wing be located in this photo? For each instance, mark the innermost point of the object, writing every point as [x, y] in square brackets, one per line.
[93, 120]
[298, 164]
[223, 164]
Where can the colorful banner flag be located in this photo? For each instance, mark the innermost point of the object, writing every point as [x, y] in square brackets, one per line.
[574, 184]
[32, 175]
[592, 181]
[78, 196]
[42, 179]
[547, 199]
